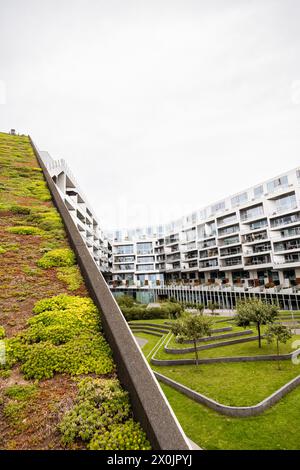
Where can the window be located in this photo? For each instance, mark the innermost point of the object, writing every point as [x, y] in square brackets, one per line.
[124, 249]
[125, 267]
[219, 206]
[144, 248]
[145, 259]
[252, 212]
[258, 191]
[239, 199]
[145, 267]
[277, 184]
[227, 220]
[259, 224]
[285, 203]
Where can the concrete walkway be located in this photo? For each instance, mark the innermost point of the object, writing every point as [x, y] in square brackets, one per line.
[141, 341]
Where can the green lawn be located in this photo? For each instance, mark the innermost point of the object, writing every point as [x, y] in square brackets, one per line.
[240, 349]
[159, 321]
[277, 428]
[234, 384]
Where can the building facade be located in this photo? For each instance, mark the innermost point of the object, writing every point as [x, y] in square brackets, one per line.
[249, 239]
[82, 213]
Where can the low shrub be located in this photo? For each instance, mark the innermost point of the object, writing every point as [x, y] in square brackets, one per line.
[125, 436]
[2, 332]
[70, 276]
[126, 301]
[25, 230]
[101, 410]
[64, 337]
[60, 257]
[141, 312]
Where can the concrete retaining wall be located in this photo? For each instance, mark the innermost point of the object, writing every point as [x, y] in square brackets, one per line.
[234, 411]
[212, 360]
[209, 346]
[213, 338]
[149, 404]
[143, 330]
[156, 325]
[150, 328]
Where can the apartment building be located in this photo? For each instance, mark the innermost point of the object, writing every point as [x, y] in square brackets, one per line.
[83, 215]
[249, 239]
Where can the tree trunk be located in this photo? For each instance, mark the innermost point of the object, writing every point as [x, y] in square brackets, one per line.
[259, 335]
[278, 362]
[196, 352]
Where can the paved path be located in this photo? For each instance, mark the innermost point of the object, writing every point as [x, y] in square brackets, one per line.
[141, 341]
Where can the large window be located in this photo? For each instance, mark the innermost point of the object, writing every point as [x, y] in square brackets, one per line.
[258, 224]
[144, 248]
[124, 249]
[239, 199]
[219, 206]
[145, 267]
[124, 259]
[228, 230]
[145, 259]
[227, 220]
[125, 267]
[258, 191]
[252, 212]
[277, 184]
[285, 203]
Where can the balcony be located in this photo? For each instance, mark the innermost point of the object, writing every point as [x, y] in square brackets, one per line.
[255, 261]
[230, 252]
[228, 231]
[286, 220]
[255, 237]
[227, 221]
[289, 259]
[208, 253]
[207, 244]
[286, 246]
[237, 261]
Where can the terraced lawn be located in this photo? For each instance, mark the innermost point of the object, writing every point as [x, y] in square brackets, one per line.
[276, 429]
[235, 384]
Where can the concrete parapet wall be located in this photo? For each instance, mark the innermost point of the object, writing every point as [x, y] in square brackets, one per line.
[149, 404]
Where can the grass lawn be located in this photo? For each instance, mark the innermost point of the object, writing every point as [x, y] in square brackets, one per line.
[241, 349]
[159, 321]
[234, 384]
[278, 428]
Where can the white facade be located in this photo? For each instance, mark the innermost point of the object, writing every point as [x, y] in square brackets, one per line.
[251, 238]
[84, 217]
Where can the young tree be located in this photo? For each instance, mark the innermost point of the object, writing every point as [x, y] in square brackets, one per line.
[280, 334]
[192, 328]
[212, 306]
[255, 311]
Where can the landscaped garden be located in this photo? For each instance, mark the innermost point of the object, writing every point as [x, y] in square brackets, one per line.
[235, 384]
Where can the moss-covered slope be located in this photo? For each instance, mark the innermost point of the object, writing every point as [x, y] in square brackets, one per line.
[58, 385]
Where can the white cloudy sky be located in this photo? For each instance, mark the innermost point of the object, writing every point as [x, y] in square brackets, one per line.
[160, 107]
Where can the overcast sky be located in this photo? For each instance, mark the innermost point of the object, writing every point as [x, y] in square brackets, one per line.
[159, 107]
